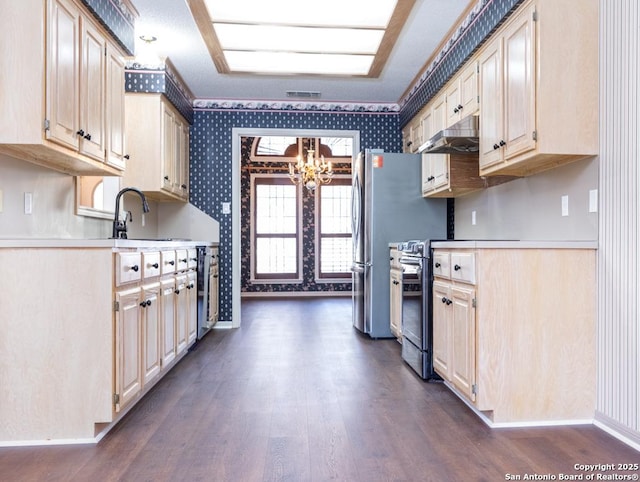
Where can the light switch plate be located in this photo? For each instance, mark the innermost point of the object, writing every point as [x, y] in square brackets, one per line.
[593, 201]
[473, 218]
[226, 208]
[28, 203]
[565, 205]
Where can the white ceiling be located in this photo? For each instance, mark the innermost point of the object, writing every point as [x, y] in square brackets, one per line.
[179, 39]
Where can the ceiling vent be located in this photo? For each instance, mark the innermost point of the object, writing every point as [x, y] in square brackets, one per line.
[303, 94]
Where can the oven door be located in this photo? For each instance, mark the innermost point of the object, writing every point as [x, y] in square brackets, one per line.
[412, 300]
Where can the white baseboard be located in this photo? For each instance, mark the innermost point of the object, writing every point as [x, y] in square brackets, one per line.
[519, 424]
[617, 430]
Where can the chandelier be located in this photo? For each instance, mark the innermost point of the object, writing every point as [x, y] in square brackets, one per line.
[312, 172]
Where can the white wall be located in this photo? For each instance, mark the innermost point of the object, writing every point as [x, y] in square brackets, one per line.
[530, 208]
[53, 204]
[54, 215]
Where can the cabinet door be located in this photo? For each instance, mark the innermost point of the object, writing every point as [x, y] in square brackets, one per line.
[519, 84]
[454, 105]
[115, 109]
[427, 178]
[63, 73]
[214, 298]
[463, 341]
[184, 161]
[128, 330]
[168, 304]
[168, 144]
[491, 111]
[469, 90]
[192, 311]
[439, 170]
[151, 331]
[439, 113]
[442, 328]
[182, 312]
[92, 93]
[395, 302]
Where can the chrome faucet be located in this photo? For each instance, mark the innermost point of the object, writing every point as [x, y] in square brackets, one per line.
[120, 225]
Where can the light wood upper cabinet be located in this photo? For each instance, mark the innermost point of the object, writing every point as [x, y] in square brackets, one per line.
[56, 114]
[462, 94]
[93, 80]
[158, 146]
[63, 73]
[115, 92]
[538, 89]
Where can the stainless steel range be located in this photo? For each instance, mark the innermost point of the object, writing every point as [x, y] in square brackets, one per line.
[417, 326]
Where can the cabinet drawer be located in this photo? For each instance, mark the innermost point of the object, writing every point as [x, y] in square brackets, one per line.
[193, 258]
[128, 268]
[441, 264]
[150, 264]
[463, 267]
[168, 261]
[182, 260]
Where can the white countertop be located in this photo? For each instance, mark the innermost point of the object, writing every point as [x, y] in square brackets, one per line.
[488, 244]
[101, 243]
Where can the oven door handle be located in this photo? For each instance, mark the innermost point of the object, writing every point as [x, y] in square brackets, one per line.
[409, 260]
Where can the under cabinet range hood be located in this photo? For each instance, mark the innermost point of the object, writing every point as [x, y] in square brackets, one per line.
[460, 138]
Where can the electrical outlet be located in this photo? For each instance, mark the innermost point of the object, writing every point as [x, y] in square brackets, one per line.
[565, 205]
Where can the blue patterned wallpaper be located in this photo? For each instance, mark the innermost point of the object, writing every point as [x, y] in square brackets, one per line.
[117, 17]
[211, 160]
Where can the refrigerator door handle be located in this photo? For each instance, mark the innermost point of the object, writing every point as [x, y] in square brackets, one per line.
[358, 267]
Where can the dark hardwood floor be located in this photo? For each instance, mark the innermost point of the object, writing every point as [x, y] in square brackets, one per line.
[297, 394]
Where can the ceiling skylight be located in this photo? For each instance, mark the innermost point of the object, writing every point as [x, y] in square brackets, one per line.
[284, 37]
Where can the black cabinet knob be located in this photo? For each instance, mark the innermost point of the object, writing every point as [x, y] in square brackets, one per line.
[444, 300]
[177, 291]
[126, 156]
[135, 268]
[430, 178]
[183, 260]
[502, 143]
[449, 302]
[184, 186]
[455, 110]
[88, 137]
[143, 304]
[457, 267]
[460, 107]
[437, 265]
[172, 263]
[496, 146]
[80, 132]
[155, 265]
[166, 178]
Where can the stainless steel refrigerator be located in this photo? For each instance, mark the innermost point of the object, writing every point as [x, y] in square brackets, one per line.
[387, 207]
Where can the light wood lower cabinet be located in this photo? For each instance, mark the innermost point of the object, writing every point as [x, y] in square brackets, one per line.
[395, 302]
[151, 331]
[514, 331]
[129, 345]
[83, 352]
